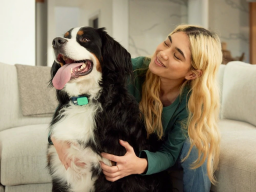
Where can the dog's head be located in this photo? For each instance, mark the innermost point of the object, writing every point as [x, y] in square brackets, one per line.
[87, 55]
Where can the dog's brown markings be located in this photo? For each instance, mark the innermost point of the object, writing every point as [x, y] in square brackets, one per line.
[80, 32]
[98, 66]
[66, 34]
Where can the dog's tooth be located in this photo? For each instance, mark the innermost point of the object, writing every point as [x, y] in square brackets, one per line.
[82, 66]
[71, 70]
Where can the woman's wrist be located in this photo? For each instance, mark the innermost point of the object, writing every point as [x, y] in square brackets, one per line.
[142, 165]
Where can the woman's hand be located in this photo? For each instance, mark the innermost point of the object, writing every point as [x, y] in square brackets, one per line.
[62, 149]
[125, 165]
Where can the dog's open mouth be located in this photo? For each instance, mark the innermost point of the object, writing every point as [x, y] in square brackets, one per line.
[70, 69]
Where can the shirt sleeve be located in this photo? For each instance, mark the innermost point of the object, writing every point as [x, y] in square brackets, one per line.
[169, 152]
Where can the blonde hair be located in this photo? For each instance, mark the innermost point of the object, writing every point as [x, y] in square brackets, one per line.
[203, 103]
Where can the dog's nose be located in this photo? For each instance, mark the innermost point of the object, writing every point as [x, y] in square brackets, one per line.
[58, 42]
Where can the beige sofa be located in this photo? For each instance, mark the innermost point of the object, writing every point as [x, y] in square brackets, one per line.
[237, 168]
[23, 139]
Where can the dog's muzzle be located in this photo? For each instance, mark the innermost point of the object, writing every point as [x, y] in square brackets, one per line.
[58, 42]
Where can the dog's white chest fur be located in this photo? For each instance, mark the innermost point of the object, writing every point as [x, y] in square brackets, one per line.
[77, 124]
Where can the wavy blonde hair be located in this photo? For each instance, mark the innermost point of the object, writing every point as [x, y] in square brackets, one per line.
[203, 103]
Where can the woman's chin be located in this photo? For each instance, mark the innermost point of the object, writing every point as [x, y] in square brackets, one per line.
[153, 68]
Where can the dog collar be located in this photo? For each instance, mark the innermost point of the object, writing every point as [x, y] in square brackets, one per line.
[80, 100]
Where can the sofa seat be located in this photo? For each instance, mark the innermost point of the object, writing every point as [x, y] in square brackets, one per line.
[24, 162]
[41, 187]
[237, 168]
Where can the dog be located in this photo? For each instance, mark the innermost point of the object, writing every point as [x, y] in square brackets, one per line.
[90, 74]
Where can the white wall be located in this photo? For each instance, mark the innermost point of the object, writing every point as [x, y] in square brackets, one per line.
[77, 14]
[17, 34]
[120, 20]
[66, 18]
[41, 33]
[230, 20]
[104, 9]
[150, 22]
[198, 13]
[51, 30]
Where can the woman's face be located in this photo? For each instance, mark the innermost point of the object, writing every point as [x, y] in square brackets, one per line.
[172, 58]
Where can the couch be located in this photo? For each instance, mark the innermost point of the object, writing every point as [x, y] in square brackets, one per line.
[237, 166]
[23, 139]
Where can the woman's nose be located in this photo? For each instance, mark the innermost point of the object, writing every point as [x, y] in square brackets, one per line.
[163, 55]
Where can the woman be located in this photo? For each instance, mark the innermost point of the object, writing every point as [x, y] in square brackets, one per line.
[179, 98]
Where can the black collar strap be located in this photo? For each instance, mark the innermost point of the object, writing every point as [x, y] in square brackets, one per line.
[80, 100]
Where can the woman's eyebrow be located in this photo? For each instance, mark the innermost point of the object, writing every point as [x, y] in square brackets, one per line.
[181, 52]
[170, 38]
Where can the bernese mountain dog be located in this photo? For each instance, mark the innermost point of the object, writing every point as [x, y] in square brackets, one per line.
[90, 74]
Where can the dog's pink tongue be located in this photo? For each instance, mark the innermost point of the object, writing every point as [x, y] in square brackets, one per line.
[63, 75]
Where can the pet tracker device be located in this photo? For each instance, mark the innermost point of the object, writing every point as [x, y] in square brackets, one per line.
[80, 100]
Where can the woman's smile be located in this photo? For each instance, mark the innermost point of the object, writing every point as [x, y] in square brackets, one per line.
[159, 63]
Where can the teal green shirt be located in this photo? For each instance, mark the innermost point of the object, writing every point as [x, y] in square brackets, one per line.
[173, 116]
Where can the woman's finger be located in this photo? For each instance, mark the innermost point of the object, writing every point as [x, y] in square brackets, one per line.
[109, 169]
[111, 157]
[112, 179]
[111, 175]
[79, 163]
[65, 165]
[126, 145]
[68, 162]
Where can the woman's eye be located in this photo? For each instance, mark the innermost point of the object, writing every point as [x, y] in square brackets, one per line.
[165, 43]
[84, 40]
[176, 57]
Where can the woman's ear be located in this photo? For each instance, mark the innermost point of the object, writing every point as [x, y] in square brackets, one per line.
[193, 74]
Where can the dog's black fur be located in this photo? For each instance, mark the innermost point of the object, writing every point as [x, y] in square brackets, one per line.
[120, 118]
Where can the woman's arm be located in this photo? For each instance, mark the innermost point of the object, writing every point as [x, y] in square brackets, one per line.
[62, 149]
[148, 162]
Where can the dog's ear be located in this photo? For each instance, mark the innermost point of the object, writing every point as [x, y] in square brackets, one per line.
[54, 69]
[115, 57]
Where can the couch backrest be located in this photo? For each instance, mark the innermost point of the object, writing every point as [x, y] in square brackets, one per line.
[10, 110]
[220, 77]
[239, 92]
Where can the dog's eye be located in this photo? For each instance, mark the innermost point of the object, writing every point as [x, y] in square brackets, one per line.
[84, 40]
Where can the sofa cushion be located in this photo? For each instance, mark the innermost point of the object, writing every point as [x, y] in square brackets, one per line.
[46, 187]
[36, 97]
[237, 168]
[239, 91]
[10, 110]
[23, 155]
